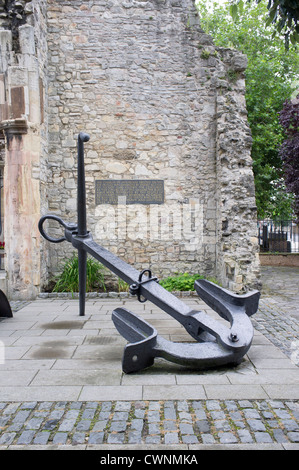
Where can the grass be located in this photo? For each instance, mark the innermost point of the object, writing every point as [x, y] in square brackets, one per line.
[68, 279]
[183, 282]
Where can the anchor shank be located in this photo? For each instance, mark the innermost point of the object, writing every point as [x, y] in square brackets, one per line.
[82, 227]
[193, 321]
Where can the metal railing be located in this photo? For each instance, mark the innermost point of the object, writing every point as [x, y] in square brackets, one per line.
[278, 236]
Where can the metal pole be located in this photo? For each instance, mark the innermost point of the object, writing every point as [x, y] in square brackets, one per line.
[82, 228]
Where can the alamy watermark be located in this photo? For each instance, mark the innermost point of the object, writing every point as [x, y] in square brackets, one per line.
[172, 221]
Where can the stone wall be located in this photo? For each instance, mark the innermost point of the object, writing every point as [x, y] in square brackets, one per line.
[160, 102]
[237, 242]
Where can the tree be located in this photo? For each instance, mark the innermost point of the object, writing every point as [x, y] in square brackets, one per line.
[283, 14]
[289, 150]
[269, 77]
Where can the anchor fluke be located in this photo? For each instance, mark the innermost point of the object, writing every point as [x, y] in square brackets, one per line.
[142, 337]
[145, 345]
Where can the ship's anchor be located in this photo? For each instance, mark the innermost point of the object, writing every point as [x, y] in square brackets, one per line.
[215, 344]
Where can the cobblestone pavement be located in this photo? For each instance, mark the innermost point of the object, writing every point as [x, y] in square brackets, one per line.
[279, 327]
[180, 424]
[278, 314]
[207, 422]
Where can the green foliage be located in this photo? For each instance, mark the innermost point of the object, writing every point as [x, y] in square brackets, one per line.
[205, 54]
[68, 279]
[281, 203]
[182, 282]
[282, 14]
[289, 151]
[269, 77]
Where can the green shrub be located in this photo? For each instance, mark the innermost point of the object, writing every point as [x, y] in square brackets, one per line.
[182, 282]
[205, 54]
[68, 279]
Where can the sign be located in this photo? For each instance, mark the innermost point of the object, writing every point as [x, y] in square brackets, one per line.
[129, 192]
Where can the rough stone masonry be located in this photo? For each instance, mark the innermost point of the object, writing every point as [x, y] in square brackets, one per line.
[160, 102]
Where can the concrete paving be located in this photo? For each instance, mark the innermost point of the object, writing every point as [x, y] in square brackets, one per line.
[53, 359]
[53, 354]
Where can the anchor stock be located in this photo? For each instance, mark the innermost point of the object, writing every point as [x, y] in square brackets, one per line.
[216, 344]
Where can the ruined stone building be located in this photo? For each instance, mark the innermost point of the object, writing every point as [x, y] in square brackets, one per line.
[168, 166]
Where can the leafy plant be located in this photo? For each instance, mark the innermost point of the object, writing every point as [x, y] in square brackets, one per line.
[182, 282]
[282, 202]
[205, 54]
[282, 14]
[68, 279]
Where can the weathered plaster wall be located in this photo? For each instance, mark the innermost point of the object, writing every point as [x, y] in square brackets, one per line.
[22, 203]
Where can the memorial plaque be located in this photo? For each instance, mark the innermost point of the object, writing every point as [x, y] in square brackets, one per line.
[129, 192]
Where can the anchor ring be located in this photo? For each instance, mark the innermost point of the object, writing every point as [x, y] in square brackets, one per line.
[60, 221]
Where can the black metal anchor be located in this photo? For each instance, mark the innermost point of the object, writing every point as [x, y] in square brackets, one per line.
[5, 308]
[216, 344]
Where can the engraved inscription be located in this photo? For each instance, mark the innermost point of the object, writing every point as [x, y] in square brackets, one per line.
[129, 192]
